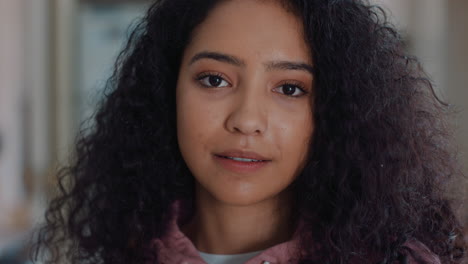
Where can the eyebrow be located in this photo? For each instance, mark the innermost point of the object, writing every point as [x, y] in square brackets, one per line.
[287, 65]
[272, 65]
[219, 57]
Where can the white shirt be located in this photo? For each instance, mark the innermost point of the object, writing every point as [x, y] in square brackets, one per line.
[228, 259]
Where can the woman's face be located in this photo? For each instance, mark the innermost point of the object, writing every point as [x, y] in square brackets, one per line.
[244, 91]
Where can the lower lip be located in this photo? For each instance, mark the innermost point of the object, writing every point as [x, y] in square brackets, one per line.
[240, 166]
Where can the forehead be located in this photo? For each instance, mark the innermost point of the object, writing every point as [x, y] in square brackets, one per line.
[252, 30]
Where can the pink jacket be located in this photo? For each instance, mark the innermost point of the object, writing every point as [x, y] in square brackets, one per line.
[176, 248]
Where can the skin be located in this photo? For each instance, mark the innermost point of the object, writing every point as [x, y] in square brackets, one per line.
[248, 109]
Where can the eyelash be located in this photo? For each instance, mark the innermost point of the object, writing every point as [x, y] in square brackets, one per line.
[297, 85]
[209, 74]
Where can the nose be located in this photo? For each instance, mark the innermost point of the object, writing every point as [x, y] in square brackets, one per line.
[248, 115]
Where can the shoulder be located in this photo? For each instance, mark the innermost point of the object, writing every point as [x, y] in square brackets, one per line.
[411, 252]
[416, 252]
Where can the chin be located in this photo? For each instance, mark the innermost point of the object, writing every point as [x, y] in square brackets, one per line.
[240, 198]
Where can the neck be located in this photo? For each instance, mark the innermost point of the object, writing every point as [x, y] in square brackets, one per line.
[220, 228]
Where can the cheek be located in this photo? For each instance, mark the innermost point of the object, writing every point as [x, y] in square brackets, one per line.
[188, 119]
[294, 132]
[196, 120]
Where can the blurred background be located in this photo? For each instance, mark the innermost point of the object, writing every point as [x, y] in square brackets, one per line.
[55, 56]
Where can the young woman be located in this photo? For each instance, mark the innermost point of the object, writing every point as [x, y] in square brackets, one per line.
[260, 131]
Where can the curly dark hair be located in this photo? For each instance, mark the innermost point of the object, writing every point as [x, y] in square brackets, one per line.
[379, 159]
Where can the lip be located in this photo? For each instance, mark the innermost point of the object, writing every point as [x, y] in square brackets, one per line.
[240, 166]
[242, 154]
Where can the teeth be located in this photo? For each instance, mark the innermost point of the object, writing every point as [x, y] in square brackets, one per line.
[242, 159]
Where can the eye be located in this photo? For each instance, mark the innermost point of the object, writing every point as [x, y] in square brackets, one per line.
[291, 90]
[212, 80]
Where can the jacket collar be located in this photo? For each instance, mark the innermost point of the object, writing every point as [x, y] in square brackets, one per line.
[176, 248]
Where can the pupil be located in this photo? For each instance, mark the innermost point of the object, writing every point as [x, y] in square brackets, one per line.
[288, 89]
[215, 80]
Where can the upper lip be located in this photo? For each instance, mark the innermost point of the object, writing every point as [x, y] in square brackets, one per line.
[235, 153]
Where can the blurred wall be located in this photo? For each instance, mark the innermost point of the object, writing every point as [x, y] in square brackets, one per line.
[24, 113]
[457, 80]
[12, 72]
[437, 34]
